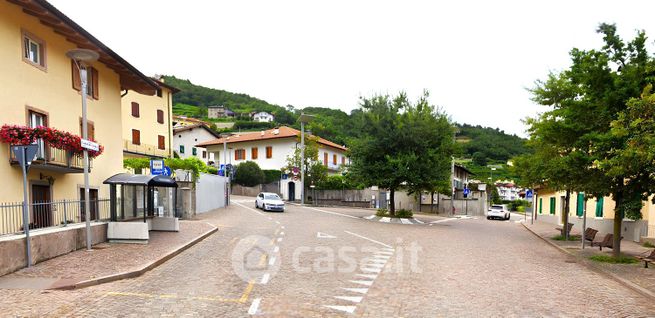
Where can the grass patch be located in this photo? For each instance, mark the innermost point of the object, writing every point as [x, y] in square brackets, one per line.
[648, 244]
[402, 213]
[610, 259]
[563, 238]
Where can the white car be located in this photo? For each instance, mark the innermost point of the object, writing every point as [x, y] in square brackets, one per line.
[269, 201]
[498, 212]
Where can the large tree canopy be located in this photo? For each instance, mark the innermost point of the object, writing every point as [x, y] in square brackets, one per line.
[402, 143]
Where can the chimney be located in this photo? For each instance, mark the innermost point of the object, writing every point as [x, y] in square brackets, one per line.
[262, 133]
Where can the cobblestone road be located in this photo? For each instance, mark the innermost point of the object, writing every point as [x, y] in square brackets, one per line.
[332, 263]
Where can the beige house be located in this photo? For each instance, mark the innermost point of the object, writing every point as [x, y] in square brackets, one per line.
[40, 87]
[148, 122]
[549, 207]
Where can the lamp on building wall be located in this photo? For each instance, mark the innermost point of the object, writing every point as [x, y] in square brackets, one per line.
[81, 58]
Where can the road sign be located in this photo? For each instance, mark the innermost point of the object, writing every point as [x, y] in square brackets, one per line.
[167, 171]
[467, 191]
[25, 158]
[285, 176]
[89, 145]
[156, 167]
[528, 194]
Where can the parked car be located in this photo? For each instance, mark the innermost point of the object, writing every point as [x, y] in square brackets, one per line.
[269, 201]
[498, 211]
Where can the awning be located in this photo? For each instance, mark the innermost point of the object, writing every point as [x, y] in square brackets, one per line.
[141, 179]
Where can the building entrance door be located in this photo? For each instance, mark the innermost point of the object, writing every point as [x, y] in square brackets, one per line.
[292, 191]
[41, 206]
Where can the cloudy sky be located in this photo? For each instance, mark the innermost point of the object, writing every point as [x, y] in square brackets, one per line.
[475, 57]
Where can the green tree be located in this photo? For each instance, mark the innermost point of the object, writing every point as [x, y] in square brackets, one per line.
[315, 171]
[249, 174]
[479, 159]
[401, 144]
[576, 136]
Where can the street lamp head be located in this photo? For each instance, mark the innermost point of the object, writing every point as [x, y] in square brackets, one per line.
[83, 55]
[305, 118]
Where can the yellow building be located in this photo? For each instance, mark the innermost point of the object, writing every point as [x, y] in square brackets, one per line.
[549, 207]
[148, 122]
[40, 87]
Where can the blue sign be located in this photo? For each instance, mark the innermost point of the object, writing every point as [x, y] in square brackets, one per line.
[285, 176]
[466, 192]
[167, 171]
[156, 167]
[528, 194]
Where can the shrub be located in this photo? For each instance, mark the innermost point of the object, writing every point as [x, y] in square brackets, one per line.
[271, 176]
[405, 214]
[648, 244]
[382, 212]
[212, 170]
[249, 174]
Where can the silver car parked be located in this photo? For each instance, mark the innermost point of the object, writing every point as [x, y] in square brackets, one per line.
[269, 201]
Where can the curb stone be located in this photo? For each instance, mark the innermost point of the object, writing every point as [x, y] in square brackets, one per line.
[589, 264]
[137, 272]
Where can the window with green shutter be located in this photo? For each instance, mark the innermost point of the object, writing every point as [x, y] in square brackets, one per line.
[599, 207]
[580, 206]
[552, 205]
[194, 151]
[181, 148]
[541, 205]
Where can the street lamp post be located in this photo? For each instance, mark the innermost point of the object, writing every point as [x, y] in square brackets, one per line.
[227, 184]
[81, 57]
[304, 118]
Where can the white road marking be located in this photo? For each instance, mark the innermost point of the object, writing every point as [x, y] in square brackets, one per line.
[271, 261]
[335, 213]
[371, 276]
[254, 306]
[282, 227]
[388, 249]
[265, 278]
[405, 221]
[385, 220]
[362, 282]
[282, 233]
[270, 218]
[356, 290]
[370, 270]
[279, 239]
[419, 221]
[379, 261]
[382, 256]
[278, 222]
[368, 239]
[348, 309]
[375, 265]
[383, 253]
[276, 249]
[248, 208]
[354, 299]
[370, 217]
[324, 235]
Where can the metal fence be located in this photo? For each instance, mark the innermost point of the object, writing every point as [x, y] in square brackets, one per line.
[49, 214]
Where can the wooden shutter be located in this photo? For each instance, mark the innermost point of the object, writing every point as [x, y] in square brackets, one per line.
[236, 154]
[343, 160]
[135, 109]
[254, 153]
[334, 159]
[160, 116]
[325, 159]
[94, 82]
[136, 137]
[269, 152]
[161, 141]
[77, 83]
[90, 129]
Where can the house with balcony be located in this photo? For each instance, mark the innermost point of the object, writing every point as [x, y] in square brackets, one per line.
[262, 117]
[270, 149]
[41, 91]
[148, 123]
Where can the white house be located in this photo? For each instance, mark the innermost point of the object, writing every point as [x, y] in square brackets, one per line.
[508, 191]
[270, 149]
[185, 139]
[263, 117]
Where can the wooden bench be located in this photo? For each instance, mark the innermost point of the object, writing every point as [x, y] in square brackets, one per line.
[590, 234]
[608, 242]
[648, 259]
[561, 229]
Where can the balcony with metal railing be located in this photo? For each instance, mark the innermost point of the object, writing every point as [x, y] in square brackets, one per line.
[54, 159]
[144, 149]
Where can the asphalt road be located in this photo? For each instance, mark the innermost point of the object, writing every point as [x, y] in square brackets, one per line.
[331, 262]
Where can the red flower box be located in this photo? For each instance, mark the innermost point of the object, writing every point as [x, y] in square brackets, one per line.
[22, 135]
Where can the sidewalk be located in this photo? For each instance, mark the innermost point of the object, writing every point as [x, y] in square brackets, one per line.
[634, 275]
[107, 261]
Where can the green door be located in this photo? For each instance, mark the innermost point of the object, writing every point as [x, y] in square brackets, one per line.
[541, 205]
[552, 205]
[599, 207]
[580, 205]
